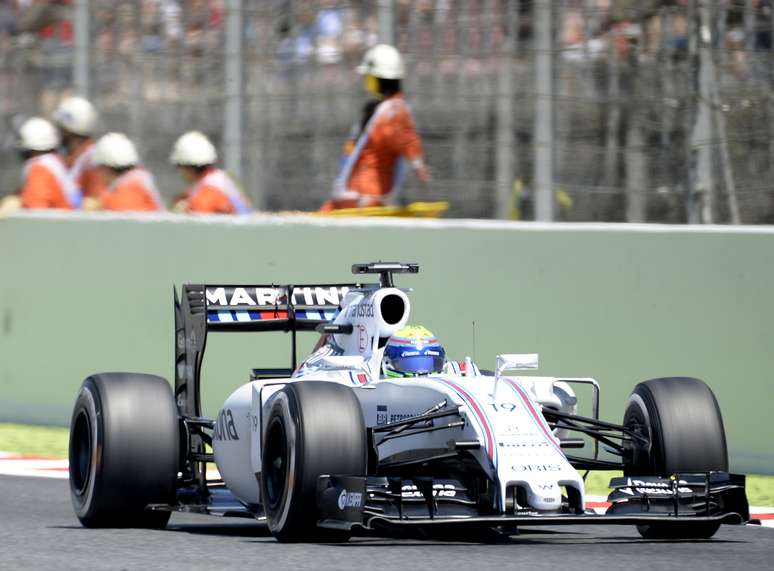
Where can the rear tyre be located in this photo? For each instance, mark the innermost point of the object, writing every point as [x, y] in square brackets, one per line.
[312, 428]
[681, 419]
[124, 448]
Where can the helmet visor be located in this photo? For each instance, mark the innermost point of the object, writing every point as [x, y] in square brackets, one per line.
[419, 364]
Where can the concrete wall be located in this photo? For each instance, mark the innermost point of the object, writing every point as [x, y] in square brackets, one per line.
[86, 293]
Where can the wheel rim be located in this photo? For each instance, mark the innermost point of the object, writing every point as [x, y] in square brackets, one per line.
[639, 454]
[80, 453]
[276, 467]
[640, 461]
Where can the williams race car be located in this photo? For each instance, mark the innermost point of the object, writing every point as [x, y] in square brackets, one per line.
[328, 446]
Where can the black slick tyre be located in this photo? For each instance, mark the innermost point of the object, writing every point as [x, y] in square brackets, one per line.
[124, 448]
[312, 428]
[682, 420]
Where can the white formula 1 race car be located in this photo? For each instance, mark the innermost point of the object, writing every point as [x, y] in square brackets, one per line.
[327, 447]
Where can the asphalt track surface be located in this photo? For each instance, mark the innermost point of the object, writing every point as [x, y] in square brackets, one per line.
[38, 530]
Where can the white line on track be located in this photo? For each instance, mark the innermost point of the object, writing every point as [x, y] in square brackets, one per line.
[40, 467]
[46, 467]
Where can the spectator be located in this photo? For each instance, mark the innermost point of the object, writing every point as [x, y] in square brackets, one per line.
[131, 187]
[211, 189]
[151, 26]
[204, 23]
[46, 182]
[7, 22]
[358, 34]
[169, 12]
[76, 119]
[763, 24]
[50, 21]
[376, 155]
[329, 27]
[306, 39]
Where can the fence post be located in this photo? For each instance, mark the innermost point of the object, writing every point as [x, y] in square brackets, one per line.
[235, 94]
[82, 41]
[702, 195]
[505, 148]
[544, 112]
[770, 98]
[386, 21]
[613, 111]
[719, 131]
[636, 171]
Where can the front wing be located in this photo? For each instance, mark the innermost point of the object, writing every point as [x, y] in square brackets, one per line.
[346, 502]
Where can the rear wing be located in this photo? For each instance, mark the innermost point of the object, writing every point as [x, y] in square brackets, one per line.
[271, 308]
[201, 309]
[243, 308]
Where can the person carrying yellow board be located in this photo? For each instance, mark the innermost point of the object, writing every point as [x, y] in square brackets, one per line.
[386, 142]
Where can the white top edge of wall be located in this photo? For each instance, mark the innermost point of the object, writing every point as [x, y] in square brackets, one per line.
[261, 219]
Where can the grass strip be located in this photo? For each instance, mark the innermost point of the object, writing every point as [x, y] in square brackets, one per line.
[34, 440]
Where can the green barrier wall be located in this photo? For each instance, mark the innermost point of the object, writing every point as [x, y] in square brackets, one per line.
[617, 303]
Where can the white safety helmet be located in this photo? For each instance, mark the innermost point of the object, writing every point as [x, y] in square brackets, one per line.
[193, 149]
[77, 115]
[115, 150]
[383, 61]
[38, 134]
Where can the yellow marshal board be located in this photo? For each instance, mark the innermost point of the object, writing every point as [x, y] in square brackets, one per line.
[411, 210]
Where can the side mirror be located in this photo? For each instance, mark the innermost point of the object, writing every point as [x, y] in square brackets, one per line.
[513, 362]
[516, 362]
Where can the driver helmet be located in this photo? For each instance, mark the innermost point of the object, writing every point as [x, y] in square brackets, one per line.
[411, 352]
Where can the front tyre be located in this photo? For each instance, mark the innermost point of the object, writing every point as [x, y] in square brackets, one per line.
[681, 419]
[124, 448]
[312, 428]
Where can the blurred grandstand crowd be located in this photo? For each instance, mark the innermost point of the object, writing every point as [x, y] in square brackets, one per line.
[625, 94]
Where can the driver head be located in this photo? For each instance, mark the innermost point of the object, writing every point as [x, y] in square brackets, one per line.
[413, 351]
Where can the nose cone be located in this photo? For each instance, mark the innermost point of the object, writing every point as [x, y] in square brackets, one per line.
[545, 495]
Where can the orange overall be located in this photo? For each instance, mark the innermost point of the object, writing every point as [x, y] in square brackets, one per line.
[134, 190]
[47, 184]
[375, 169]
[216, 193]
